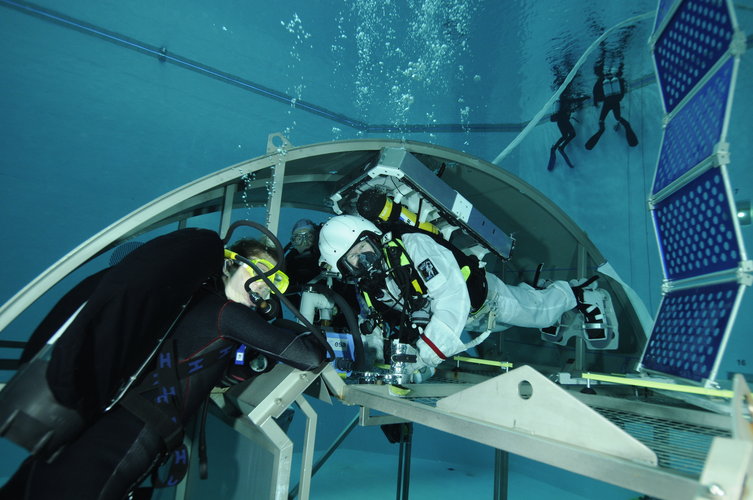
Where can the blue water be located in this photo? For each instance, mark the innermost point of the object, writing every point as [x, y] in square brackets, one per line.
[94, 124]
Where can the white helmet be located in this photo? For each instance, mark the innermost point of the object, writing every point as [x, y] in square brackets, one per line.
[339, 234]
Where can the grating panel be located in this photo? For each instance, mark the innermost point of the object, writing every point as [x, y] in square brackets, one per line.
[679, 446]
[696, 37]
[692, 134]
[695, 228]
[690, 329]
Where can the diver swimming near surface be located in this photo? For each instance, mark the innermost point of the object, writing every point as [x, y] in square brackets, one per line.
[565, 106]
[609, 90]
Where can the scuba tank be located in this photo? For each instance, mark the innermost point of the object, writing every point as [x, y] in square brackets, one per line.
[375, 205]
[611, 86]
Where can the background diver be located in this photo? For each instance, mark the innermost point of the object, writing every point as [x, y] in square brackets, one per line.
[301, 258]
[609, 89]
[565, 106]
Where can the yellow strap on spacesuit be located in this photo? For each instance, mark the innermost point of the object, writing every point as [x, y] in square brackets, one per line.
[368, 300]
[404, 261]
[466, 271]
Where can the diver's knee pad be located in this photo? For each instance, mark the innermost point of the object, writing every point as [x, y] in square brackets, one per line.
[31, 417]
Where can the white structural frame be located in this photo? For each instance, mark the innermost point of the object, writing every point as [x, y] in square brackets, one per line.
[458, 408]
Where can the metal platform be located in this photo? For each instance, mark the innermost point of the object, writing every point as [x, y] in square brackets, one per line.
[651, 447]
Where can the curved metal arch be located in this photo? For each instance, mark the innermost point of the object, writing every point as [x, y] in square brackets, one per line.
[544, 233]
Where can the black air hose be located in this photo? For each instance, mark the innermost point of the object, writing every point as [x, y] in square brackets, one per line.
[264, 275]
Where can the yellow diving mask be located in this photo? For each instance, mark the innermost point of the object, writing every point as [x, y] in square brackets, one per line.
[279, 279]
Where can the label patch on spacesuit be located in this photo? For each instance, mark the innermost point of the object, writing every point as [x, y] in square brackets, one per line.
[427, 270]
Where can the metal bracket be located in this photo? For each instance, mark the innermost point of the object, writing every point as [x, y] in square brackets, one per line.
[333, 382]
[307, 455]
[727, 465]
[269, 394]
[272, 147]
[742, 403]
[744, 268]
[525, 400]
[720, 156]
[738, 45]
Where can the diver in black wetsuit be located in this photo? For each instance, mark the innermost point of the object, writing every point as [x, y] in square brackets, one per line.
[302, 258]
[302, 266]
[566, 105]
[129, 307]
[610, 89]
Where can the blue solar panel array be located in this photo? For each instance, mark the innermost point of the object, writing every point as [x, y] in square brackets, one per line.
[695, 228]
[661, 10]
[695, 221]
[689, 331]
[696, 37]
[692, 134]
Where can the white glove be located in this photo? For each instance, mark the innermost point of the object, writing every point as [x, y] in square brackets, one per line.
[422, 373]
[427, 355]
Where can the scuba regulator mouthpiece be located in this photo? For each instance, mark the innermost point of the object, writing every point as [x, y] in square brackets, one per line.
[258, 301]
[267, 308]
[367, 263]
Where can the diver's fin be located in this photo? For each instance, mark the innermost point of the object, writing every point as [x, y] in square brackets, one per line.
[552, 159]
[567, 160]
[632, 140]
[594, 139]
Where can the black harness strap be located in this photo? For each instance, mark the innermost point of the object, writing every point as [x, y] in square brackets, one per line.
[170, 431]
[162, 413]
[157, 401]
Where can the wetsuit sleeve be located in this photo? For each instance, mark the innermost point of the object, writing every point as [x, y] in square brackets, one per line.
[448, 294]
[288, 342]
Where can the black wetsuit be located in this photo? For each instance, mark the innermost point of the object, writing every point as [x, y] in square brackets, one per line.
[610, 98]
[301, 268]
[610, 90]
[117, 449]
[567, 131]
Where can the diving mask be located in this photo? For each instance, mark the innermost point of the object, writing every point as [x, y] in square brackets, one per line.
[260, 267]
[362, 259]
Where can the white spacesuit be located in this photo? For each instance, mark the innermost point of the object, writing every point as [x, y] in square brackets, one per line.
[352, 245]
[450, 307]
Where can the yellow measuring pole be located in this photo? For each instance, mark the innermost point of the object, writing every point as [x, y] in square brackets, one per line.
[720, 393]
[488, 362]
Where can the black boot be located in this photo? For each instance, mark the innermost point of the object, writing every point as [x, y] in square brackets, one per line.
[593, 317]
